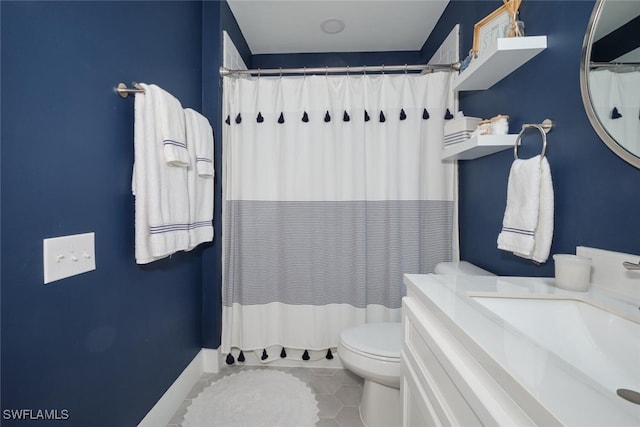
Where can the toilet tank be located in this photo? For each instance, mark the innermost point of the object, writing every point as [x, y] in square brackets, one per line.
[462, 268]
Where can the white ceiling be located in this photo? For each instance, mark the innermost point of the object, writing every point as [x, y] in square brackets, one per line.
[294, 26]
[615, 14]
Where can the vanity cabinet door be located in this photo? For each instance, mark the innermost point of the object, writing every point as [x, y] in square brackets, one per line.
[417, 410]
[428, 390]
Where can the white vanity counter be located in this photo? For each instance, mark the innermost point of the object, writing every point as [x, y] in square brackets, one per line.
[537, 365]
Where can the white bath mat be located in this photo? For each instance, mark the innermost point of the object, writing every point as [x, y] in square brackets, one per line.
[255, 398]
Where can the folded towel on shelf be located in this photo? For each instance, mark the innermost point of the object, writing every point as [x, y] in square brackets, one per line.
[171, 127]
[454, 138]
[527, 226]
[161, 198]
[200, 177]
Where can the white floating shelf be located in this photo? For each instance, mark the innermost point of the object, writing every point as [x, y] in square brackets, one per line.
[507, 55]
[478, 146]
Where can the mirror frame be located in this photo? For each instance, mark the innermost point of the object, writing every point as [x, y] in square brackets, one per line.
[626, 155]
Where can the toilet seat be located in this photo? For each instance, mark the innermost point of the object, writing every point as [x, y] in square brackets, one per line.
[370, 355]
[379, 341]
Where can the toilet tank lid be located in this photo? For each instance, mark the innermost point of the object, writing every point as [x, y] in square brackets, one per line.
[378, 339]
[464, 268]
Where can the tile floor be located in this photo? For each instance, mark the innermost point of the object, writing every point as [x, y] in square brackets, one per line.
[338, 393]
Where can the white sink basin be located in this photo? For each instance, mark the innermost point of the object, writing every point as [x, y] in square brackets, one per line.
[600, 343]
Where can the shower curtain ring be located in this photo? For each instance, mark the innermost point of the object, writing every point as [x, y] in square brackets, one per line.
[258, 72]
[347, 71]
[326, 71]
[405, 68]
[383, 69]
[364, 69]
[280, 72]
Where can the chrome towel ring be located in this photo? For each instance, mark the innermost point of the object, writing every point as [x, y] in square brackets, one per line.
[544, 128]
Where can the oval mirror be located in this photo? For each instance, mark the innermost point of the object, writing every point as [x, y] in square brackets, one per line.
[610, 76]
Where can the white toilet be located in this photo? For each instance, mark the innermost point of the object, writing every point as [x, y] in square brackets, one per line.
[372, 351]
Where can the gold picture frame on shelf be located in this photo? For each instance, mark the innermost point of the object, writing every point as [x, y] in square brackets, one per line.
[487, 30]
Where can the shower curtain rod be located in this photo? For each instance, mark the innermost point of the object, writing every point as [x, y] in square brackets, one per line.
[327, 70]
[613, 64]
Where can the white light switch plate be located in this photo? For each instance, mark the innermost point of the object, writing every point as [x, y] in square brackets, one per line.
[68, 255]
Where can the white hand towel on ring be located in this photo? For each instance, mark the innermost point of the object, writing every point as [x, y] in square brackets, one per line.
[527, 226]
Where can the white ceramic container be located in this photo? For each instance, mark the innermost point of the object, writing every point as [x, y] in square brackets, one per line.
[573, 272]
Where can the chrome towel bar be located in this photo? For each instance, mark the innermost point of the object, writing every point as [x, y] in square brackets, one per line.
[124, 91]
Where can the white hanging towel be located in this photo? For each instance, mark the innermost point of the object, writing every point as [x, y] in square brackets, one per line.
[170, 123]
[527, 226]
[159, 187]
[200, 177]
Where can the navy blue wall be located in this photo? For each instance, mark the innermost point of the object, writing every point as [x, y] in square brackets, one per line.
[104, 345]
[596, 193]
[219, 13]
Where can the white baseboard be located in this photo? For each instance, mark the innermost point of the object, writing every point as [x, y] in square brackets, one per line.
[211, 360]
[165, 408]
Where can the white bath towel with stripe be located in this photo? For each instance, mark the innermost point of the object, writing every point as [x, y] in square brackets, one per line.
[159, 187]
[170, 124]
[200, 177]
[527, 226]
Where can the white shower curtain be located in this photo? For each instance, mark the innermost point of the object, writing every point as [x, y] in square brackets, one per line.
[616, 100]
[333, 188]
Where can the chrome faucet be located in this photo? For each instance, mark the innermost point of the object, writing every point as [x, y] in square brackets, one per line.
[631, 266]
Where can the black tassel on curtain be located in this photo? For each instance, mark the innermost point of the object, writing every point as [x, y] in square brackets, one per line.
[230, 360]
[346, 117]
[615, 114]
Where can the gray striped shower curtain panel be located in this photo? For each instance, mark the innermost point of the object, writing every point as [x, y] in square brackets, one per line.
[333, 189]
